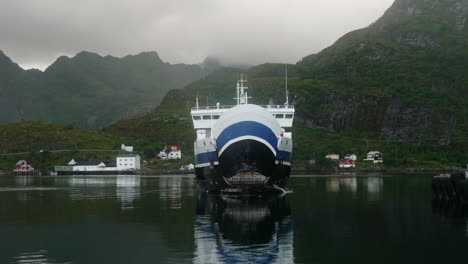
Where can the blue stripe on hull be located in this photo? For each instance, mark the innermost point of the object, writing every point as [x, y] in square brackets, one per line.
[206, 157]
[283, 155]
[247, 128]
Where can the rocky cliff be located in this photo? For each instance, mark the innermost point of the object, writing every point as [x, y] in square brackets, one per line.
[403, 78]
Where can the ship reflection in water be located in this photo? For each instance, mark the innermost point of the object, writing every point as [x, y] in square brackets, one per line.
[243, 229]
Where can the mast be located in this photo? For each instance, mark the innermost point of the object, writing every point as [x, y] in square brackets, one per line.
[238, 92]
[242, 96]
[286, 86]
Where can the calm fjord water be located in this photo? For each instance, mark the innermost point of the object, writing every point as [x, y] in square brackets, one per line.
[164, 219]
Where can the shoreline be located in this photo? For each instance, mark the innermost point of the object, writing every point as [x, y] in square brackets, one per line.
[293, 171]
[401, 170]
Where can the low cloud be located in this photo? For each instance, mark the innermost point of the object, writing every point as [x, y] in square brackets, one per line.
[35, 32]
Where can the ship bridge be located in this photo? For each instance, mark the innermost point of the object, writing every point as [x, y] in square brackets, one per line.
[204, 118]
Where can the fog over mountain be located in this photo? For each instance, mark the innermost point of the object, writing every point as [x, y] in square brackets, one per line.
[35, 33]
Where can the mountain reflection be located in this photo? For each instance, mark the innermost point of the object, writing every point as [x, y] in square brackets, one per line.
[243, 229]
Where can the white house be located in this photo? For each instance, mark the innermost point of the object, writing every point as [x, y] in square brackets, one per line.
[350, 157]
[333, 156]
[83, 166]
[170, 153]
[127, 148]
[128, 162]
[187, 167]
[374, 156]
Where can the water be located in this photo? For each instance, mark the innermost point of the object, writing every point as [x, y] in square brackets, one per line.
[164, 219]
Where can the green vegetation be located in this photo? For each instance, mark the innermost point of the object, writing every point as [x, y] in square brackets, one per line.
[38, 143]
[35, 136]
[315, 144]
[35, 140]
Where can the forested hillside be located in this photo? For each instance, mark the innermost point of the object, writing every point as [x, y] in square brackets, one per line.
[89, 91]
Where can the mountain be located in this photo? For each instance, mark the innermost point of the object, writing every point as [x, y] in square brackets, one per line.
[409, 69]
[88, 90]
[398, 86]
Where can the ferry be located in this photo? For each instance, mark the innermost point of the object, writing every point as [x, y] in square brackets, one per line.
[245, 147]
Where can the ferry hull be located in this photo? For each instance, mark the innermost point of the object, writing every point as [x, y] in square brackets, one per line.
[212, 180]
[245, 166]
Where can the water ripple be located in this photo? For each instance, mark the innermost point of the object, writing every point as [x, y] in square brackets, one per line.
[35, 257]
[19, 189]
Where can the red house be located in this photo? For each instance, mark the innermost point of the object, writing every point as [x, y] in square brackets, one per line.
[23, 166]
[347, 163]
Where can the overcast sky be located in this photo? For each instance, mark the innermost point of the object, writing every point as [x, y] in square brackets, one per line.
[33, 33]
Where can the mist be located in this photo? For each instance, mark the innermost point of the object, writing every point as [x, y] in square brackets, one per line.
[35, 33]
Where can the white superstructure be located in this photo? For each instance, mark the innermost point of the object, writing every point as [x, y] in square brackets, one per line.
[204, 118]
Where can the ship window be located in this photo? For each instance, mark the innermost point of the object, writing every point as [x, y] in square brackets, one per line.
[279, 116]
[216, 117]
[289, 116]
[206, 117]
[196, 117]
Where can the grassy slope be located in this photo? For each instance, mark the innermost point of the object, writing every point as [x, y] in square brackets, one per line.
[32, 137]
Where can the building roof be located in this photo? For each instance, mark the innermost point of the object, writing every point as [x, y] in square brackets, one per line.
[127, 155]
[172, 148]
[20, 162]
[88, 163]
[81, 162]
[77, 161]
[110, 164]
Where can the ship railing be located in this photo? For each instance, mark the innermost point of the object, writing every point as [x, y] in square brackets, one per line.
[212, 107]
[231, 106]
